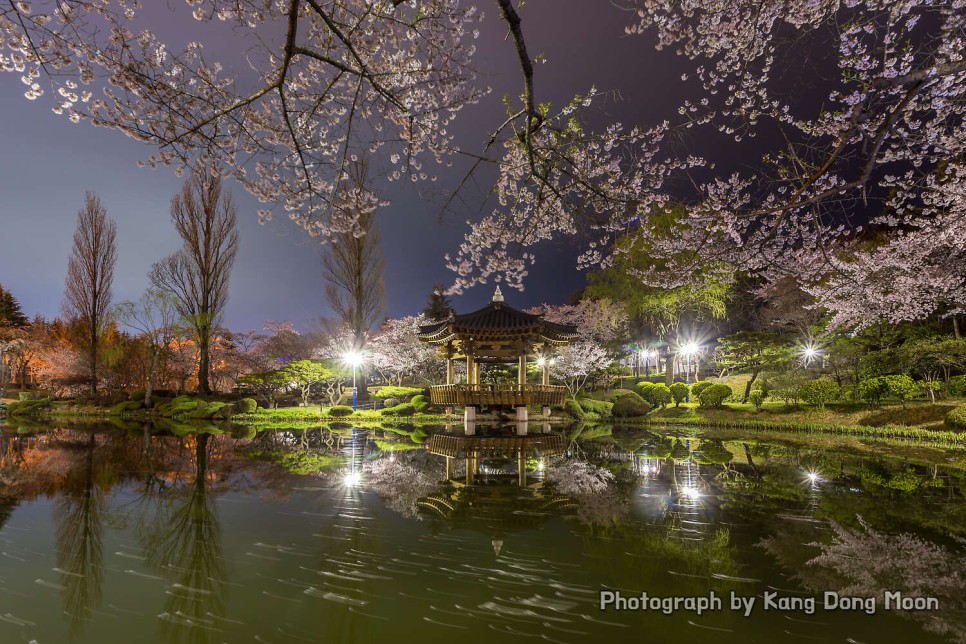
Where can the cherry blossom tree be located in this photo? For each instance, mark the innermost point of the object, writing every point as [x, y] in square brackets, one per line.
[575, 363]
[601, 320]
[335, 79]
[396, 351]
[598, 322]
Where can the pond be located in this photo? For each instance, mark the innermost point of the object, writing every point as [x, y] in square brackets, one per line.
[370, 535]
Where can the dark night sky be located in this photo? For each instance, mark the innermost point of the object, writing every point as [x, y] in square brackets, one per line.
[46, 164]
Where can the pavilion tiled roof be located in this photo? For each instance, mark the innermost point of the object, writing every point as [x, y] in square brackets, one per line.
[496, 318]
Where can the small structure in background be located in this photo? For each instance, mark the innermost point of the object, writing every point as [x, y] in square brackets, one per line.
[499, 334]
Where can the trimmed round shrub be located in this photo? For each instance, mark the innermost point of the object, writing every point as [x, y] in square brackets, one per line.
[757, 398]
[599, 407]
[246, 406]
[679, 392]
[714, 395]
[630, 406]
[28, 407]
[699, 387]
[957, 386]
[901, 387]
[340, 410]
[402, 393]
[956, 419]
[573, 409]
[126, 406]
[873, 390]
[645, 388]
[660, 396]
[626, 393]
[406, 409]
[421, 403]
[819, 391]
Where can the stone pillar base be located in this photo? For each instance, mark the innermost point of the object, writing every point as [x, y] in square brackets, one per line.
[469, 428]
[546, 410]
[522, 428]
[469, 414]
[521, 413]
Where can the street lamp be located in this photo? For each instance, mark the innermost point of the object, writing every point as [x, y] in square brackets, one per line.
[646, 356]
[688, 350]
[353, 358]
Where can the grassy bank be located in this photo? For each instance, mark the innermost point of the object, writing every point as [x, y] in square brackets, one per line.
[195, 408]
[916, 421]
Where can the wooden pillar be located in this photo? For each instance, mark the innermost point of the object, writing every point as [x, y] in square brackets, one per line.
[449, 371]
[470, 368]
[522, 370]
[546, 371]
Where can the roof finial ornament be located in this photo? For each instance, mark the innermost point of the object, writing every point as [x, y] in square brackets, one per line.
[497, 295]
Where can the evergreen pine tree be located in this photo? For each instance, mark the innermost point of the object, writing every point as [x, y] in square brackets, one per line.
[438, 307]
[10, 311]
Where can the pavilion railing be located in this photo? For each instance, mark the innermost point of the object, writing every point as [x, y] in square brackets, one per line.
[507, 395]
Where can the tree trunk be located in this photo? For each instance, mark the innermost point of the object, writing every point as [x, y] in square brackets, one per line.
[748, 387]
[93, 362]
[668, 371]
[204, 339]
[748, 456]
[155, 354]
[956, 333]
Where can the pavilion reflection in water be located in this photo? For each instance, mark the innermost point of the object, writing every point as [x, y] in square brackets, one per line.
[502, 490]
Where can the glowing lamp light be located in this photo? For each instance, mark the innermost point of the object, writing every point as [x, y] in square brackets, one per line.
[540, 466]
[809, 352]
[689, 349]
[352, 358]
[541, 361]
[691, 493]
[813, 477]
[352, 479]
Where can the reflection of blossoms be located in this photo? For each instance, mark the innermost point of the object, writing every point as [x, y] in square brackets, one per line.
[400, 483]
[590, 486]
[876, 562]
[579, 478]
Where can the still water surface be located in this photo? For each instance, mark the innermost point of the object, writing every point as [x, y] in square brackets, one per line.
[368, 536]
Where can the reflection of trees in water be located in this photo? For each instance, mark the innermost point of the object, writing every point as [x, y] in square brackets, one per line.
[402, 479]
[184, 544]
[11, 456]
[599, 502]
[862, 561]
[79, 540]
